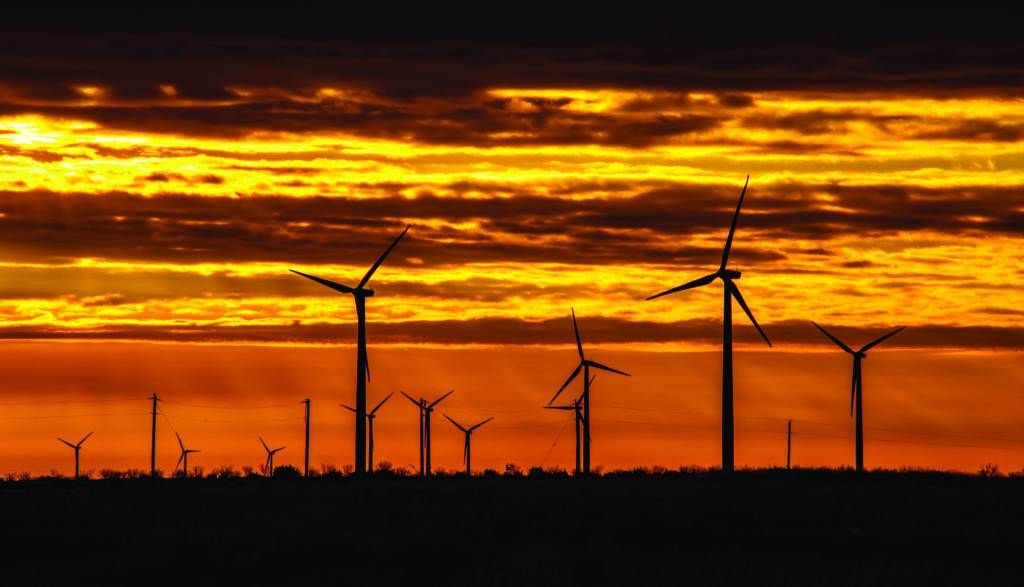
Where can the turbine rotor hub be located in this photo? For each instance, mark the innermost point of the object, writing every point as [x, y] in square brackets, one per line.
[366, 293]
[730, 273]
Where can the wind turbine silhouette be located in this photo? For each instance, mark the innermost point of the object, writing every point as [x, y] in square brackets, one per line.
[731, 290]
[425, 411]
[856, 386]
[270, 456]
[469, 433]
[369, 421]
[77, 448]
[585, 364]
[577, 407]
[184, 455]
[359, 293]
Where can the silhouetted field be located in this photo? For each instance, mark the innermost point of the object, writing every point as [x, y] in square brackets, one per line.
[756, 528]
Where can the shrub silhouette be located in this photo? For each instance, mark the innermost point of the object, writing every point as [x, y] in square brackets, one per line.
[287, 472]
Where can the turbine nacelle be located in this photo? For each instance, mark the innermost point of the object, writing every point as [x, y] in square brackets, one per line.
[729, 274]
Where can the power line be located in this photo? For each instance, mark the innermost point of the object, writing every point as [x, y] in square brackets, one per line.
[73, 416]
[557, 438]
[83, 401]
[544, 425]
[212, 407]
[232, 421]
[468, 409]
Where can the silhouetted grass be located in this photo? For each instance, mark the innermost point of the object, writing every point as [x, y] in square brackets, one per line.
[638, 527]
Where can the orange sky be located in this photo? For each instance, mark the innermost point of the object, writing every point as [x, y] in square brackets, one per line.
[150, 213]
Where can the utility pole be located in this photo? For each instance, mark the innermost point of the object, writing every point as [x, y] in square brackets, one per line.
[305, 470]
[789, 441]
[152, 440]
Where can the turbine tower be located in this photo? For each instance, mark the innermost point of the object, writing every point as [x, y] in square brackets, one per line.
[730, 290]
[425, 410]
[184, 455]
[359, 293]
[584, 365]
[468, 432]
[856, 387]
[77, 448]
[369, 425]
[269, 466]
[577, 407]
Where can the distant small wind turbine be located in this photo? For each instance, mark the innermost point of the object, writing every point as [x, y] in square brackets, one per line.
[468, 432]
[369, 421]
[77, 448]
[577, 407]
[184, 455]
[585, 364]
[731, 290]
[856, 386]
[270, 457]
[425, 411]
[359, 293]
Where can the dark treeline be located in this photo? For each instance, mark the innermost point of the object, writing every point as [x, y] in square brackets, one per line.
[754, 527]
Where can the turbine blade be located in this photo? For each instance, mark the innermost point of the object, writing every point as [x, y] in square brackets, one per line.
[178, 464]
[369, 274]
[377, 407]
[743, 304]
[86, 437]
[67, 443]
[576, 330]
[559, 408]
[267, 448]
[325, 282]
[853, 384]
[732, 228]
[438, 400]
[690, 285]
[195, 450]
[457, 425]
[409, 397]
[597, 365]
[465, 450]
[181, 444]
[865, 348]
[349, 408]
[834, 339]
[481, 423]
[567, 382]
[367, 366]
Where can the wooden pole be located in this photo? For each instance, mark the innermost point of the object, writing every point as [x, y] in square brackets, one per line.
[152, 439]
[789, 441]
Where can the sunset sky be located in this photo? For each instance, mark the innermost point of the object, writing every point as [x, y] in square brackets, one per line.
[156, 186]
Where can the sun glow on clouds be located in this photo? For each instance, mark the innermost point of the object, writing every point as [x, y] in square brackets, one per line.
[799, 149]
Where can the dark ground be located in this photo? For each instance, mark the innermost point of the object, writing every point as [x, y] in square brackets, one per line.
[758, 528]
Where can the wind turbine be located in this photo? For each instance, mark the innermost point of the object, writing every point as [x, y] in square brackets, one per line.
[359, 293]
[184, 455]
[856, 386]
[425, 410]
[369, 421]
[77, 448]
[468, 432]
[577, 407]
[270, 456]
[731, 290]
[585, 364]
